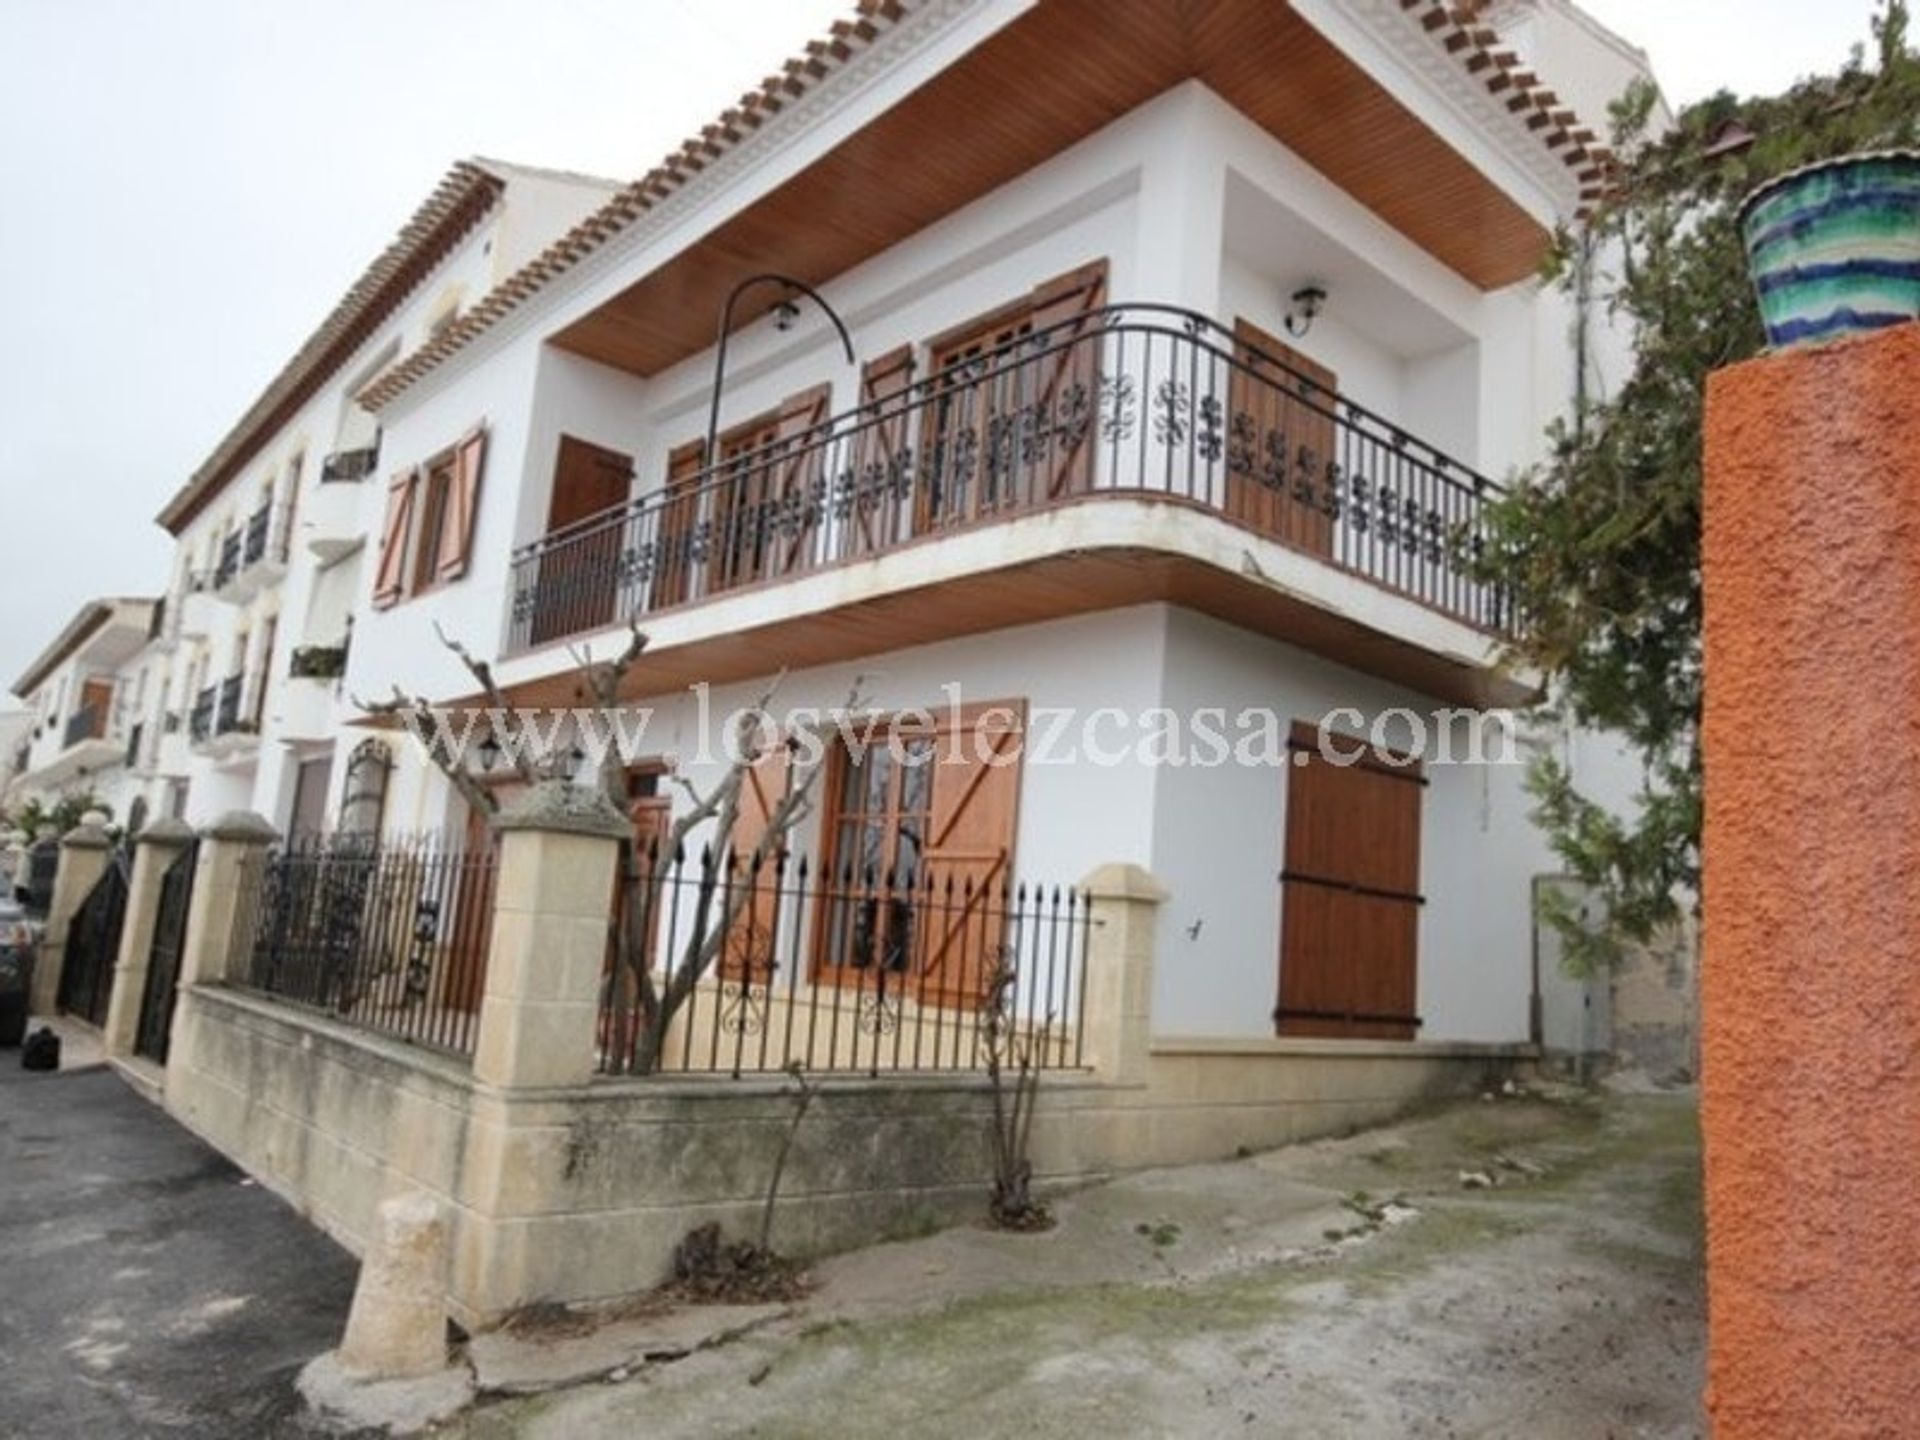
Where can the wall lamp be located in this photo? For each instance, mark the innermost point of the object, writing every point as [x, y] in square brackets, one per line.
[1303, 308]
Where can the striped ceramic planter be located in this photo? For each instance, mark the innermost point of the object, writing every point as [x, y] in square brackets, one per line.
[1834, 248]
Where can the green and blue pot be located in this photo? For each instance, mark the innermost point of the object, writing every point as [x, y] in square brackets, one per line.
[1834, 248]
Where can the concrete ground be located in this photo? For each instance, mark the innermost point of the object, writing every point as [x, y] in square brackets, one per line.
[1511, 1267]
[146, 1288]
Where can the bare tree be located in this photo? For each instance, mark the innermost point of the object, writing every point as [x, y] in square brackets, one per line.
[645, 1002]
[1013, 1059]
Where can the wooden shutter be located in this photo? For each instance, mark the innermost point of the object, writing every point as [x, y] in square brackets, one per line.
[882, 444]
[390, 575]
[677, 519]
[1068, 380]
[1277, 477]
[579, 583]
[802, 460]
[462, 507]
[969, 847]
[1350, 895]
[750, 947]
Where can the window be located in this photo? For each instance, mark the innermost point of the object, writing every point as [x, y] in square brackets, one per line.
[1010, 423]
[767, 466]
[433, 516]
[919, 834]
[427, 537]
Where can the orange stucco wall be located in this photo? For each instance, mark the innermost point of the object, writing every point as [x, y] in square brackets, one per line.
[1810, 1007]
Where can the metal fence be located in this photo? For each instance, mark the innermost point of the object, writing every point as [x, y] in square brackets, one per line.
[153, 1035]
[851, 972]
[1144, 401]
[93, 945]
[389, 934]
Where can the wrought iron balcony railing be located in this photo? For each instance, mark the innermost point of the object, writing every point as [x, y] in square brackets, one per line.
[201, 717]
[348, 465]
[89, 722]
[1137, 401]
[229, 563]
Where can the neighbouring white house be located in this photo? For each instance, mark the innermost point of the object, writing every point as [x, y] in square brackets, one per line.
[269, 530]
[88, 704]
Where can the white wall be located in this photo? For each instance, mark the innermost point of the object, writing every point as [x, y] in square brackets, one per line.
[1219, 848]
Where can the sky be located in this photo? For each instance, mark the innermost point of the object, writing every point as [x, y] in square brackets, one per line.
[186, 189]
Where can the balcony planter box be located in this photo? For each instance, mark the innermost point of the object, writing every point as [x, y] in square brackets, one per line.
[318, 662]
[1834, 248]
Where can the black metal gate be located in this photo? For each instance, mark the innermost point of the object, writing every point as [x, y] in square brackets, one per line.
[93, 944]
[163, 958]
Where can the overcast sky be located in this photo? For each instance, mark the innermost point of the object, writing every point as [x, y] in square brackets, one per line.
[188, 187]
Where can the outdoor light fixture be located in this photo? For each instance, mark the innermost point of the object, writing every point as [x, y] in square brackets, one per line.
[784, 315]
[489, 752]
[1303, 308]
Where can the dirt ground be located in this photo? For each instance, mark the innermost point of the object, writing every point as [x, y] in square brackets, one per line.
[1509, 1267]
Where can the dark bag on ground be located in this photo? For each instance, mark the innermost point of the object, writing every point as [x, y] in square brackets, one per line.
[42, 1051]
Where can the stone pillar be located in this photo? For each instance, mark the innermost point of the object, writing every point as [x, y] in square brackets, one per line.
[397, 1325]
[1810, 996]
[84, 852]
[155, 849]
[1125, 901]
[559, 855]
[225, 886]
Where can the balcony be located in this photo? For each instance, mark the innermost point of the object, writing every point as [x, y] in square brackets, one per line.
[183, 615]
[218, 725]
[1137, 411]
[254, 556]
[304, 708]
[89, 722]
[330, 518]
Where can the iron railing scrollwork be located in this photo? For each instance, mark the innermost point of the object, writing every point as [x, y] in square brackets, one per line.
[387, 934]
[1136, 401]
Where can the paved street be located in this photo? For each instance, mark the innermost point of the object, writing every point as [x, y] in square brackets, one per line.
[145, 1289]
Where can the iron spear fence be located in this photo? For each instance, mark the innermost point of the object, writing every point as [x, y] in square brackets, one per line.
[845, 971]
[388, 934]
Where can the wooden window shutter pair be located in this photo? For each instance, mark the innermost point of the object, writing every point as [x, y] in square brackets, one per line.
[457, 512]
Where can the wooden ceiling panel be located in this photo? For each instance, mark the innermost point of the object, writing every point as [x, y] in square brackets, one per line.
[1048, 80]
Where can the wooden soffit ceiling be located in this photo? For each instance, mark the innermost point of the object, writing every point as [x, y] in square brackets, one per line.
[1049, 79]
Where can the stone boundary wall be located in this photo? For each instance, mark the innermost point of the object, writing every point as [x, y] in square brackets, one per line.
[579, 1192]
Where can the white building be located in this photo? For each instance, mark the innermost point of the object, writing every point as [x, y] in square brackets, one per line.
[269, 530]
[88, 702]
[1188, 347]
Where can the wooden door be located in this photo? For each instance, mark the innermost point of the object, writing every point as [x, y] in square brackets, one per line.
[1005, 427]
[768, 466]
[882, 453]
[96, 700]
[1350, 894]
[579, 582]
[676, 534]
[1280, 488]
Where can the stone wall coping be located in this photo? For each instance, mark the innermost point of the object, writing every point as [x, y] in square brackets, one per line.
[1122, 881]
[1279, 1047]
[241, 825]
[89, 834]
[165, 831]
[566, 808]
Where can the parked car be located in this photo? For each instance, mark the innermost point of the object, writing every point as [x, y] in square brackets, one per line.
[19, 941]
